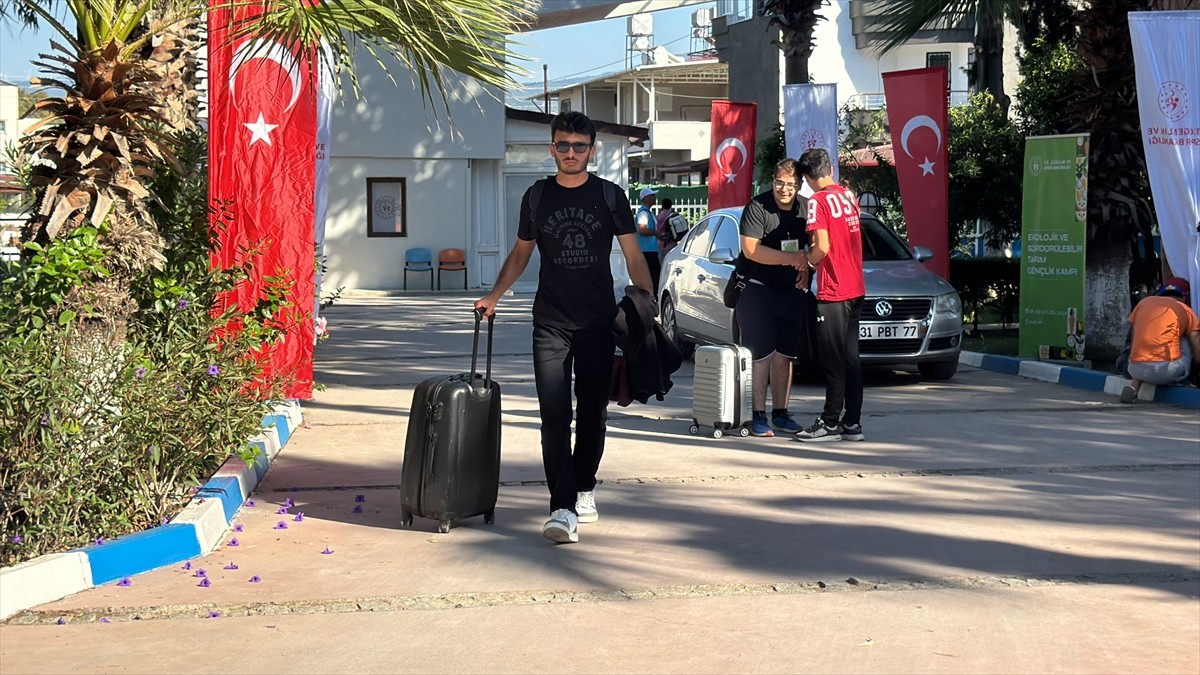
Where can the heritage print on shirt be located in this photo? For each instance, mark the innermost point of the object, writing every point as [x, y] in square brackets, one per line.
[573, 231]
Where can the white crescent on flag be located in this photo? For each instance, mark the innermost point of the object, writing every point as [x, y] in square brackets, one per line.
[731, 172]
[912, 125]
[271, 51]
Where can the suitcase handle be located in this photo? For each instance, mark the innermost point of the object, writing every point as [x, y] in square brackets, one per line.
[487, 379]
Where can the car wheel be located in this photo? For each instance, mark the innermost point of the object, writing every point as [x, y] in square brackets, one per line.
[668, 321]
[938, 370]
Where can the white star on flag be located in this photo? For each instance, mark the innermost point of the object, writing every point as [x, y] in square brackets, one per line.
[926, 167]
[261, 130]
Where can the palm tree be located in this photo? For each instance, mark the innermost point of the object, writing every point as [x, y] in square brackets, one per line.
[902, 19]
[125, 90]
[796, 21]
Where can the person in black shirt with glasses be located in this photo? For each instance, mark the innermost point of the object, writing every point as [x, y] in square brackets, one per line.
[573, 229]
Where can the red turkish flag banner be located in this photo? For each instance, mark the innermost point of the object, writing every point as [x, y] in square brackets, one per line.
[731, 159]
[916, 109]
[262, 99]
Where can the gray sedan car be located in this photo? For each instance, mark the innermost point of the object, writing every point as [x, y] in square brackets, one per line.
[910, 316]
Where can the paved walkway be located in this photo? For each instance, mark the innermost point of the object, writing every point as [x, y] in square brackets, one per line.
[989, 524]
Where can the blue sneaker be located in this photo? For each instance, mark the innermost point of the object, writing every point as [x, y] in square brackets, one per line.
[784, 422]
[759, 425]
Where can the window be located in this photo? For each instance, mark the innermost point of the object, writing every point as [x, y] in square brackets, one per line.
[735, 10]
[564, 105]
[728, 236]
[700, 238]
[935, 59]
[387, 201]
[2, 126]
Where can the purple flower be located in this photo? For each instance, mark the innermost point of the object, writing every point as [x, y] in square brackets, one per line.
[204, 583]
[214, 614]
[238, 527]
[140, 372]
[360, 498]
[327, 551]
[125, 582]
[283, 510]
[45, 421]
[200, 573]
[187, 566]
[299, 517]
[234, 542]
[16, 539]
[99, 541]
[255, 579]
[104, 619]
[250, 503]
[214, 370]
[230, 566]
[288, 503]
[281, 525]
[62, 621]
[182, 304]
[164, 521]
[358, 509]
[150, 450]
[178, 392]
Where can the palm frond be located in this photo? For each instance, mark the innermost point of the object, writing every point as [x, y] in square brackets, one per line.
[905, 18]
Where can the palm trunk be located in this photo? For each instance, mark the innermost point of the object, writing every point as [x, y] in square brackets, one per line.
[989, 60]
[1107, 293]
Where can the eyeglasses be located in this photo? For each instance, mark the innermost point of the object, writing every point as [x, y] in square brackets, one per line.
[562, 147]
[780, 185]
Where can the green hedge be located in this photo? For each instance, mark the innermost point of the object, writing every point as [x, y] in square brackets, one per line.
[992, 283]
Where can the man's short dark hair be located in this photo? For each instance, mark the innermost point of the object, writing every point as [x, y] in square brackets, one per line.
[573, 122]
[815, 164]
[667, 203]
[784, 166]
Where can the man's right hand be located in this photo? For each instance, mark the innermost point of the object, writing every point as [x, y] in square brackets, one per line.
[486, 304]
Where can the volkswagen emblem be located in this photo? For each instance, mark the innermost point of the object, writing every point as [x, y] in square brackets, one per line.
[883, 308]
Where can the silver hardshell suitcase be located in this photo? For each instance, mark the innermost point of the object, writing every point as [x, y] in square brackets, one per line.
[722, 394]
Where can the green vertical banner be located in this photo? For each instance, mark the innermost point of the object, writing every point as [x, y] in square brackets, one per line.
[1053, 239]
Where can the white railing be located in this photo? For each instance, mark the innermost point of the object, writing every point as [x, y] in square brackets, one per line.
[876, 101]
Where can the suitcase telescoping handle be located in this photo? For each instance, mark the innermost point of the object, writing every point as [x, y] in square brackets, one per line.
[487, 379]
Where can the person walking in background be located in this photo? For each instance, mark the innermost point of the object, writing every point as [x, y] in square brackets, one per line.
[572, 222]
[769, 309]
[835, 249]
[647, 233]
[1166, 339]
[667, 238]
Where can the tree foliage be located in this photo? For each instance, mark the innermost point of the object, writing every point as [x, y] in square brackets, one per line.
[986, 164]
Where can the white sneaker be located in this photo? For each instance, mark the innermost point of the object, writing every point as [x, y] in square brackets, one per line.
[585, 506]
[562, 528]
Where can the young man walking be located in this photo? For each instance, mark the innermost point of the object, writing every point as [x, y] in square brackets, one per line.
[769, 308]
[573, 229]
[835, 248]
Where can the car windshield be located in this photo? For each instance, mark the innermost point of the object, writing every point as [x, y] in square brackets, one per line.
[881, 243]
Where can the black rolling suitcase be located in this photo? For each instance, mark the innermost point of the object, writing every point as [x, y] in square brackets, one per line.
[452, 453]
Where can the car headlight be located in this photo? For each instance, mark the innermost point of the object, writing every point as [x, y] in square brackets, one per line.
[948, 303]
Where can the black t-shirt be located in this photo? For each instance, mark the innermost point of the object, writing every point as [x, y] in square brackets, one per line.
[762, 219]
[574, 236]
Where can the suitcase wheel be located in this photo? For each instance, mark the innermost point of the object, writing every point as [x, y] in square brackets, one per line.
[405, 517]
[744, 432]
[717, 433]
[694, 429]
[444, 526]
[489, 516]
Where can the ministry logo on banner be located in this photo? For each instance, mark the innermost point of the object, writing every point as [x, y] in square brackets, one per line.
[810, 120]
[1168, 81]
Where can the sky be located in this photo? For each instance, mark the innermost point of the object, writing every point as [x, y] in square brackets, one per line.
[587, 50]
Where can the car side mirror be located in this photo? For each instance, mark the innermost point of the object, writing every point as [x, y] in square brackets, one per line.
[722, 256]
[923, 253]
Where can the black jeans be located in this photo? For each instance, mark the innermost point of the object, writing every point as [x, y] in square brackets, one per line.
[589, 353]
[655, 266]
[837, 350]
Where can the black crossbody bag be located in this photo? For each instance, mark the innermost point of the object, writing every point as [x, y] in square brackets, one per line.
[737, 281]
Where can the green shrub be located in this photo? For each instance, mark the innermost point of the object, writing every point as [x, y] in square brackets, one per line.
[987, 286]
[101, 437]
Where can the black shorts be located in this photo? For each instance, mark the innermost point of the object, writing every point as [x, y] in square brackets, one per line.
[769, 320]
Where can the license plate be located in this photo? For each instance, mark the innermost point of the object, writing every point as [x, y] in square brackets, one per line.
[887, 331]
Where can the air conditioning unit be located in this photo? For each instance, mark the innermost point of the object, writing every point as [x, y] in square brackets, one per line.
[641, 24]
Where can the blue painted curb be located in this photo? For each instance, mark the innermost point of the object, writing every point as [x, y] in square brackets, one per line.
[1080, 378]
[196, 530]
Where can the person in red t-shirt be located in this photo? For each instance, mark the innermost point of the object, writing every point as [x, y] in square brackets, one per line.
[835, 249]
[1166, 339]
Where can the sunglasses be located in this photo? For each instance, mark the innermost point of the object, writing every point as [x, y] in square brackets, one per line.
[562, 147]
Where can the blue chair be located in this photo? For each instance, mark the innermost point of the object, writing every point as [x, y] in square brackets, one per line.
[418, 260]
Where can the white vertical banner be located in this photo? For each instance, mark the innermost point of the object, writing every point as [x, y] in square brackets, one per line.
[810, 121]
[325, 96]
[1168, 88]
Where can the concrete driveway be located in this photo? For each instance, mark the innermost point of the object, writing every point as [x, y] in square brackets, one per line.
[989, 524]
